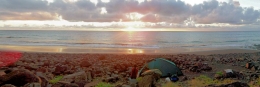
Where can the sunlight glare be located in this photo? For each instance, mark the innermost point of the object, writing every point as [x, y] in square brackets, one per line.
[130, 29]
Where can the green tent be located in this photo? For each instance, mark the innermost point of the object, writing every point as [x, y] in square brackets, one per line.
[165, 66]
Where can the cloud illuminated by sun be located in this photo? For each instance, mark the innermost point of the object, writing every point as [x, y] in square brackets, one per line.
[140, 1]
[105, 1]
[130, 29]
[103, 10]
[134, 16]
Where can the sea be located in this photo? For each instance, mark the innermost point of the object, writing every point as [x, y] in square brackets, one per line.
[132, 39]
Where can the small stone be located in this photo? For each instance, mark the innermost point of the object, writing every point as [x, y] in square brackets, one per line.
[42, 69]
[184, 78]
[126, 86]
[253, 68]
[85, 63]
[32, 85]
[8, 85]
[60, 69]
[31, 67]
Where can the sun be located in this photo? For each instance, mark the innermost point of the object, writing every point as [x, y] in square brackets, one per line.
[130, 29]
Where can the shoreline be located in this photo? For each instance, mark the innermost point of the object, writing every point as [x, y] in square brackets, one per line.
[136, 51]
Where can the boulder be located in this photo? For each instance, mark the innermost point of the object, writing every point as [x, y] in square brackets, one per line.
[18, 78]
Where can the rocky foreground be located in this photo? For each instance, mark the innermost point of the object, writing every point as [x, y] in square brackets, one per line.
[86, 70]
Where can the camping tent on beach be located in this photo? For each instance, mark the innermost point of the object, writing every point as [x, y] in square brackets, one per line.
[165, 66]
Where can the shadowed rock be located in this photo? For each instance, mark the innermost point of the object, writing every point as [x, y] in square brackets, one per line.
[18, 78]
[234, 84]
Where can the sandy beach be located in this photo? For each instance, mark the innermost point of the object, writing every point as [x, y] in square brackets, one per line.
[96, 67]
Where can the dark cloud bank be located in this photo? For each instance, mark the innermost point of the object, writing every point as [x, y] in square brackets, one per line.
[173, 11]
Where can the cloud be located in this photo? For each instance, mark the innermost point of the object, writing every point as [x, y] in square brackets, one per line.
[173, 11]
[27, 16]
[23, 5]
[215, 12]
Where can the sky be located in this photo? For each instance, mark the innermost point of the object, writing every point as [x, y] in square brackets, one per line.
[140, 12]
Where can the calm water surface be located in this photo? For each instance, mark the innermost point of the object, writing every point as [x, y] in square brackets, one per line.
[130, 39]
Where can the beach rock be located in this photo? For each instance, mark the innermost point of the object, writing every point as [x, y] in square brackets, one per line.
[32, 85]
[57, 85]
[42, 69]
[81, 84]
[218, 76]
[112, 79]
[194, 69]
[76, 77]
[31, 67]
[205, 67]
[249, 65]
[72, 85]
[8, 85]
[59, 69]
[109, 79]
[46, 63]
[234, 84]
[19, 63]
[85, 63]
[89, 76]
[125, 86]
[102, 58]
[184, 78]
[44, 81]
[254, 76]
[18, 78]
[148, 80]
[7, 71]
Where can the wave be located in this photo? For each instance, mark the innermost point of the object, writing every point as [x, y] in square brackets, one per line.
[13, 37]
[236, 41]
[196, 42]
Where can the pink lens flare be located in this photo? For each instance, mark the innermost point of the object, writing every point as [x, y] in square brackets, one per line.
[8, 58]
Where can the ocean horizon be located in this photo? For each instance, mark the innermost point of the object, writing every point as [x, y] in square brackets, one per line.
[132, 39]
